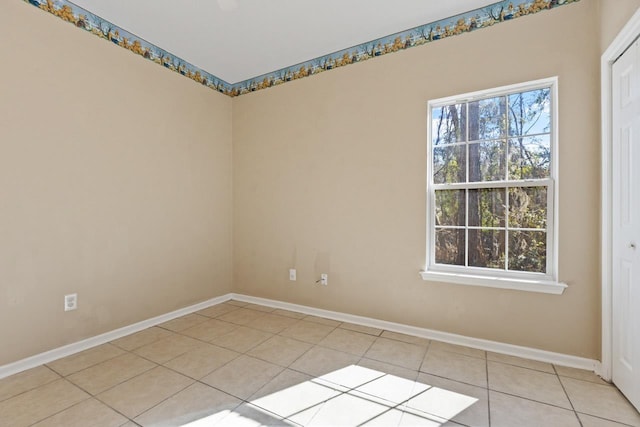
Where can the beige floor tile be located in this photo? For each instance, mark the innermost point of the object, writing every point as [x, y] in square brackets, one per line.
[296, 398]
[236, 303]
[209, 330]
[25, 381]
[258, 307]
[197, 402]
[79, 361]
[201, 361]
[452, 400]
[344, 410]
[527, 383]
[110, 373]
[589, 421]
[396, 353]
[243, 376]
[40, 403]
[459, 349]
[241, 316]
[280, 350]
[310, 332]
[168, 348]
[272, 323]
[455, 366]
[347, 378]
[604, 401]
[242, 339]
[398, 418]
[320, 361]
[217, 310]
[387, 368]
[248, 415]
[181, 323]
[391, 390]
[405, 338]
[510, 411]
[580, 374]
[284, 380]
[348, 341]
[289, 313]
[87, 413]
[519, 361]
[322, 320]
[144, 391]
[130, 424]
[144, 337]
[363, 329]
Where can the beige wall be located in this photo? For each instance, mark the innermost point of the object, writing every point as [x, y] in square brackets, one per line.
[115, 183]
[614, 14]
[329, 177]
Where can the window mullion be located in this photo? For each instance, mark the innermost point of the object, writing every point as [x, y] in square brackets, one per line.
[545, 182]
[506, 177]
[466, 192]
[506, 229]
[466, 229]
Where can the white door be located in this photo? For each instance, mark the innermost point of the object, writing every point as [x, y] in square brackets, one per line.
[626, 224]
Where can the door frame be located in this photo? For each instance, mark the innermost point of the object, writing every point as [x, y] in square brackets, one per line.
[623, 40]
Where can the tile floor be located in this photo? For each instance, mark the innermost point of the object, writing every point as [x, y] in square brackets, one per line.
[239, 364]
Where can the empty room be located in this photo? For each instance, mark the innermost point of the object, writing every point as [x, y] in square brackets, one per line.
[320, 213]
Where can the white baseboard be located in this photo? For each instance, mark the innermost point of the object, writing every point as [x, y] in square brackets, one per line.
[497, 347]
[494, 346]
[57, 353]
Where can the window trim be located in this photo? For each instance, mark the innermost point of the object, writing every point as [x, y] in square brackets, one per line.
[478, 276]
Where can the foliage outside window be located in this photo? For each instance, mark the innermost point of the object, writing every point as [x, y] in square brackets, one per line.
[491, 182]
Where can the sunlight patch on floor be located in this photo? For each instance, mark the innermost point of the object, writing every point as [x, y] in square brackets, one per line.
[351, 396]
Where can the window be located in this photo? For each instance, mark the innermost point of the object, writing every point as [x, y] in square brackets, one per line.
[491, 188]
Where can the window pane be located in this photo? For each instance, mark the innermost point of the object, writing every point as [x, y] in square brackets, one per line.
[528, 251]
[528, 207]
[450, 246]
[450, 207]
[486, 207]
[449, 164]
[449, 124]
[487, 161]
[486, 248]
[530, 158]
[530, 112]
[487, 118]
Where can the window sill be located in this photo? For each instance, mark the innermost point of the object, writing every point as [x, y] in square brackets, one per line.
[543, 286]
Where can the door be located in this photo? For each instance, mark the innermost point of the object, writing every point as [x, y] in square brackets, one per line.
[626, 224]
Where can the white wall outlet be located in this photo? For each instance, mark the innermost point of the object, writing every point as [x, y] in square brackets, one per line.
[292, 274]
[324, 279]
[70, 302]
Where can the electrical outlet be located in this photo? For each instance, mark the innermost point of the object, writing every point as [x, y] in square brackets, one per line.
[292, 274]
[324, 279]
[70, 302]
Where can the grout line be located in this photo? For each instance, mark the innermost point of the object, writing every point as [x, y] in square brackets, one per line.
[567, 395]
[68, 407]
[531, 400]
[59, 377]
[128, 379]
[605, 419]
[164, 400]
[87, 367]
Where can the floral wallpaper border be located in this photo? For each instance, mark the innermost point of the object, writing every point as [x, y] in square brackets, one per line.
[498, 12]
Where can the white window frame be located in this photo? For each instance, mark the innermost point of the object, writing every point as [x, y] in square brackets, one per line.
[478, 276]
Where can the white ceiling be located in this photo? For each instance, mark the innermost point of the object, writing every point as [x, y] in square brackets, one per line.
[236, 40]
